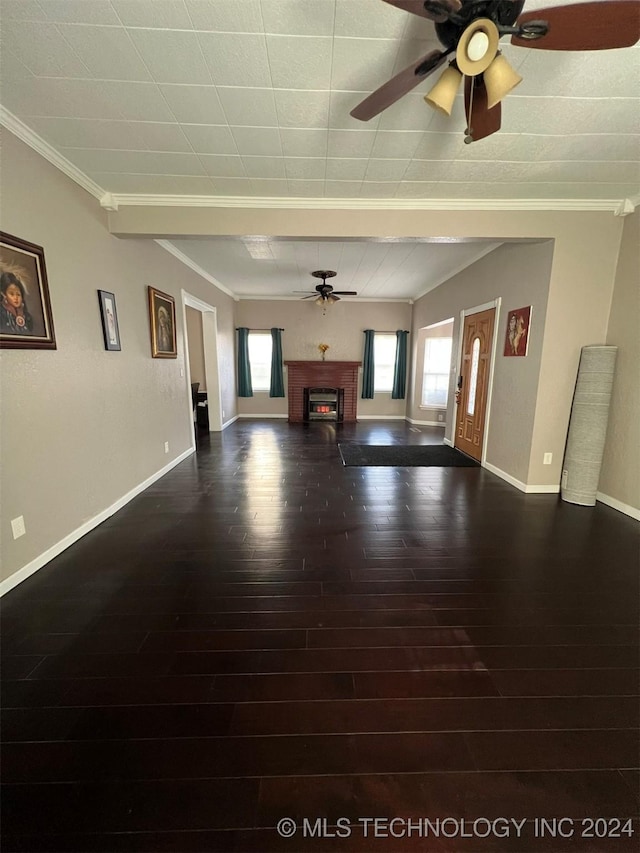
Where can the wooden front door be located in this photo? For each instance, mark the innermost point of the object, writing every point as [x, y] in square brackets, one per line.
[477, 336]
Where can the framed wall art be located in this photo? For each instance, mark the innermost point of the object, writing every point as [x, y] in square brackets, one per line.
[109, 315]
[26, 320]
[516, 341]
[162, 315]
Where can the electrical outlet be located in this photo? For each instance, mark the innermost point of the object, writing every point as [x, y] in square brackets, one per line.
[166, 447]
[223, 413]
[182, 372]
[547, 459]
[440, 417]
[17, 527]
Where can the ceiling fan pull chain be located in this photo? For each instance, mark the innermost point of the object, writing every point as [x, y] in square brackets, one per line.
[468, 139]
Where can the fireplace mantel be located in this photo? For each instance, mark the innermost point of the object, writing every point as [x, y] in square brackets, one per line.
[334, 374]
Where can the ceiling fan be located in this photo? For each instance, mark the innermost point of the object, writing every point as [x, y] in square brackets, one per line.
[471, 30]
[324, 293]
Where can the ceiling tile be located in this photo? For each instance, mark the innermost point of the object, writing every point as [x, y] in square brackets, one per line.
[269, 188]
[231, 186]
[107, 52]
[138, 101]
[210, 139]
[263, 141]
[303, 143]
[442, 146]
[414, 50]
[78, 11]
[163, 14]
[194, 104]
[264, 167]
[364, 19]
[223, 166]
[565, 171]
[346, 170]
[66, 98]
[411, 113]
[396, 144]
[154, 184]
[226, 16]
[302, 109]
[248, 107]
[428, 170]
[305, 168]
[49, 55]
[417, 189]
[22, 10]
[163, 137]
[300, 62]
[373, 189]
[136, 162]
[290, 17]
[558, 115]
[605, 146]
[171, 56]
[386, 170]
[236, 59]
[362, 65]
[351, 143]
[89, 133]
[306, 189]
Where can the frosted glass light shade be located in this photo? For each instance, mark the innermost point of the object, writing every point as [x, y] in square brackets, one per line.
[443, 94]
[499, 79]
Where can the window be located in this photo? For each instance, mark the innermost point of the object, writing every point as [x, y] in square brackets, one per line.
[435, 379]
[260, 345]
[384, 359]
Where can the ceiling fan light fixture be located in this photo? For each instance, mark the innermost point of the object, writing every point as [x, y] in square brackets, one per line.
[477, 47]
[443, 94]
[499, 79]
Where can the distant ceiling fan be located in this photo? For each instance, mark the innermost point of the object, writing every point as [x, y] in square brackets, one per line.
[471, 30]
[324, 293]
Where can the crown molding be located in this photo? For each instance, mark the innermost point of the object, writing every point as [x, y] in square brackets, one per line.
[20, 129]
[116, 200]
[627, 206]
[257, 298]
[169, 247]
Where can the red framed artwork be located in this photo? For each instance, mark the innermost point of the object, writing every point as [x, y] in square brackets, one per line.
[516, 341]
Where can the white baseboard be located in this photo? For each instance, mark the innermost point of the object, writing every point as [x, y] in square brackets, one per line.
[440, 424]
[627, 509]
[448, 441]
[229, 422]
[259, 415]
[381, 418]
[523, 487]
[46, 557]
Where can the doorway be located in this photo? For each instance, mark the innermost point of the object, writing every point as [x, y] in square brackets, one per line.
[474, 380]
[210, 365]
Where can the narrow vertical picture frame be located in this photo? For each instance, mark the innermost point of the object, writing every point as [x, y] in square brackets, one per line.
[109, 315]
[162, 317]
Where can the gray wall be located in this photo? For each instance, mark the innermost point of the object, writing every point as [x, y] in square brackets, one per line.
[82, 427]
[620, 473]
[341, 326]
[519, 274]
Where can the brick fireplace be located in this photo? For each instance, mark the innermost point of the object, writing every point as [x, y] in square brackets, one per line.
[339, 375]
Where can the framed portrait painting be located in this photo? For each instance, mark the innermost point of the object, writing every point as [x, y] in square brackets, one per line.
[516, 341]
[26, 320]
[162, 315]
[109, 315]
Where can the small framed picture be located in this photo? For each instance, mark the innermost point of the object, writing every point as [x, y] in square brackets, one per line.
[109, 316]
[26, 321]
[516, 341]
[162, 315]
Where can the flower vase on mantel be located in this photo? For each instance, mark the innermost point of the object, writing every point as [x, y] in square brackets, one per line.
[323, 349]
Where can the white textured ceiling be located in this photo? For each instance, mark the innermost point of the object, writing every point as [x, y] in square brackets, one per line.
[376, 269]
[252, 98]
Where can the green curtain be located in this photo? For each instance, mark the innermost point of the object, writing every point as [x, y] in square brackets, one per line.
[245, 388]
[276, 388]
[400, 369]
[368, 367]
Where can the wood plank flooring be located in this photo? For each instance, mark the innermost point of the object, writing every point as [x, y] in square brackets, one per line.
[264, 634]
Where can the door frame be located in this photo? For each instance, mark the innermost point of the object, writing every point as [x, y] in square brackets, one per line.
[494, 303]
[211, 361]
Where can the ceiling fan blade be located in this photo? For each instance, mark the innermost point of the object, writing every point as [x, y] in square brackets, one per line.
[481, 121]
[310, 296]
[585, 26]
[345, 292]
[434, 10]
[398, 86]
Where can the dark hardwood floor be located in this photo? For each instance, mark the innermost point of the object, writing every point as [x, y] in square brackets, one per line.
[266, 634]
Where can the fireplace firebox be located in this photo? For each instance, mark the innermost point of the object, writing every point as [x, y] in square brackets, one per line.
[324, 404]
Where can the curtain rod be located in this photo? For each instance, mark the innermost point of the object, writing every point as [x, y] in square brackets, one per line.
[385, 332]
[256, 330]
